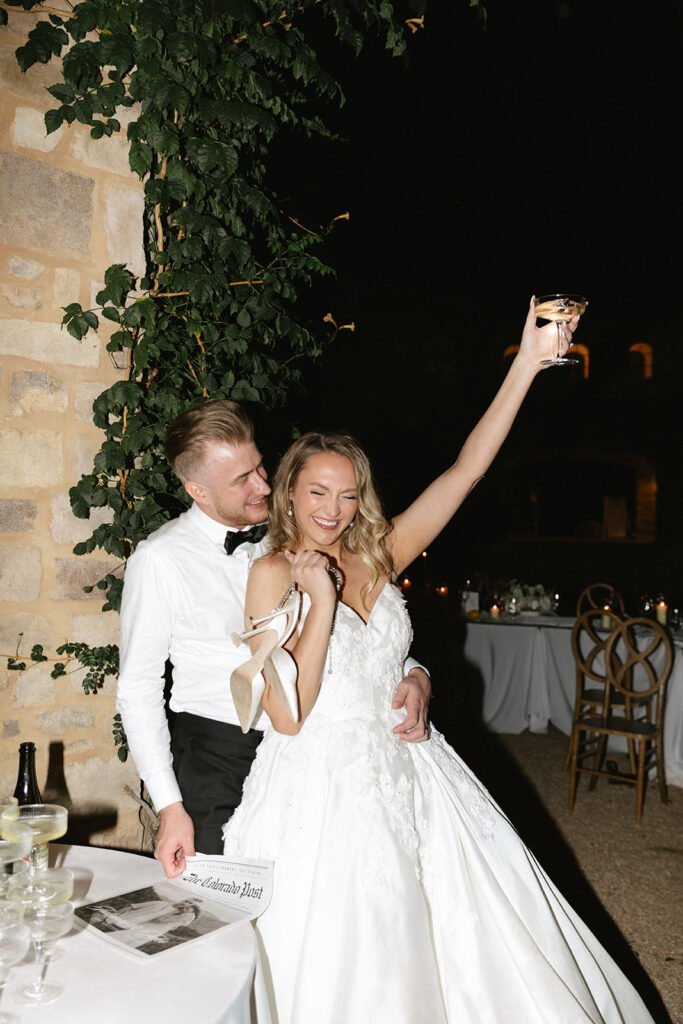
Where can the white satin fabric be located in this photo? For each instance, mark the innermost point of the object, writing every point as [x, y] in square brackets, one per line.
[402, 893]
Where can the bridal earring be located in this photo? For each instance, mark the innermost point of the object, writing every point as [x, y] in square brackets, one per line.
[290, 510]
[247, 683]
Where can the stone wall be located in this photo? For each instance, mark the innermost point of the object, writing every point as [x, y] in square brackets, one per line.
[69, 207]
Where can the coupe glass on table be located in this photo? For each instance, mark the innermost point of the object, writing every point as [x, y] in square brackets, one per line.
[46, 925]
[13, 851]
[560, 308]
[46, 822]
[15, 938]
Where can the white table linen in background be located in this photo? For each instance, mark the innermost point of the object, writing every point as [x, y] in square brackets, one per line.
[529, 678]
[214, 980]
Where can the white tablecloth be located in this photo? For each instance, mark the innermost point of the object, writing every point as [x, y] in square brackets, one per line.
[529, 678]
[213, 980]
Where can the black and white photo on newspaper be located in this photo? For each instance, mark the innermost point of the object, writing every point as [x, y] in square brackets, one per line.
[212, 893]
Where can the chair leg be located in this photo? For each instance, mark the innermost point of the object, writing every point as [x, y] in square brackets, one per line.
[597, 761]
[661, 771]
[574, 748]
[640, 779]
[632, 755]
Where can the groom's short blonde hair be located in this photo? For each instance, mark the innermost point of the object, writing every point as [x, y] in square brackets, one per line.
[187, 436]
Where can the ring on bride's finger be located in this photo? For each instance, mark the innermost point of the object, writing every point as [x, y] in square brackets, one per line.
[571, 344]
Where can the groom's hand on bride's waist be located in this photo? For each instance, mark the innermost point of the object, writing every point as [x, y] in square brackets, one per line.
[413, 693]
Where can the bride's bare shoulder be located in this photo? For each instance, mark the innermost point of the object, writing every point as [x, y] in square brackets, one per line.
[271, 567]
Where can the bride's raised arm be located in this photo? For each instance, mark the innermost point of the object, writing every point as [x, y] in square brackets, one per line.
[422, 521]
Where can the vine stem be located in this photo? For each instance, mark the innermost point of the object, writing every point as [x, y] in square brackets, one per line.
[205, 393]
[173, 295]
[265, 24]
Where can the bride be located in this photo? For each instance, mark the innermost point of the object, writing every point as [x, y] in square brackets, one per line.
[402, 893]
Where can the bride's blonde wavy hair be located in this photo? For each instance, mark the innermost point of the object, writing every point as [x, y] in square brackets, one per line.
[366, 536]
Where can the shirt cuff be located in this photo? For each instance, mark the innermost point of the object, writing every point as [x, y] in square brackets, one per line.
[163, 789]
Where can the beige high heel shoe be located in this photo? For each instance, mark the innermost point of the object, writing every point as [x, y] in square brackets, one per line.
[270, 660]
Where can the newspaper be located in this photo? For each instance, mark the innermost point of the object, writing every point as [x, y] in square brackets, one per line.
[212, 893]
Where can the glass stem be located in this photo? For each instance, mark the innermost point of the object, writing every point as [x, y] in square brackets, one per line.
[43, 960]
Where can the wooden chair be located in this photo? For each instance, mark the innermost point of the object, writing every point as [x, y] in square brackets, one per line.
[642, 688]
[597, 595]
[588, 648]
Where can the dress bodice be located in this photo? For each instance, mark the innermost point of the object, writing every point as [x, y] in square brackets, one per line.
[365, 659]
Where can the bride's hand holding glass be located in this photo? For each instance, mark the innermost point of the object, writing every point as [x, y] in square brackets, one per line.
[542, 345]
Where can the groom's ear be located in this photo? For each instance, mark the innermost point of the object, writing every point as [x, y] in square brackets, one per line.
[195, 490]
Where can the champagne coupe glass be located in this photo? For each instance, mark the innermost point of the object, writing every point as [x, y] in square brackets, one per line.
[15, 937]
[46, 924]
[13, 851]
[46, 821]
[560, 308]
[41, 888]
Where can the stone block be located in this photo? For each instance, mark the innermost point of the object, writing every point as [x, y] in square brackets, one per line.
[47, 343]
[96, 630]
[67, 529]
[99, 784]
[34, 686]
[17, 515]
[72, 574]
[123, 214]
[61, 720]
[31, 84]
[57, 219]
[30, 458]
[22, 296]
[25, 630]
[67, 286]
[106, 154]
[85, 455]
[86, 393]
[29, 130]
[19, 573]
[28, 269]
[38, 392]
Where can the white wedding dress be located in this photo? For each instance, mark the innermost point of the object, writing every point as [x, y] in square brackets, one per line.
[402, 894]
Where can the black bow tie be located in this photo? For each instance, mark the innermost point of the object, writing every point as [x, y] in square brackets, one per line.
[234, 538]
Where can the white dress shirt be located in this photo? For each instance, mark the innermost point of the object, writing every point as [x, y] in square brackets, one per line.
[183, 598]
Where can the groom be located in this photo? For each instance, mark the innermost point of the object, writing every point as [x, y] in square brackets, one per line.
[183, 598]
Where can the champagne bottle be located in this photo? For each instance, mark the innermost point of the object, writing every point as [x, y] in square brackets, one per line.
[26, 790]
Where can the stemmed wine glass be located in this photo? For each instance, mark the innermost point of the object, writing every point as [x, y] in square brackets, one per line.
[46, 821]
[46, 924]
[13, 851]
[15, 938]
[560, 308]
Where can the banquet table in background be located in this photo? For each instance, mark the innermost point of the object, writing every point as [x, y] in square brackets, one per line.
[214, 980]
[529, 678]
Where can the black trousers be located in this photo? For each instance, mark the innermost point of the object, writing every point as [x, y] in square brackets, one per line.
[211, 760]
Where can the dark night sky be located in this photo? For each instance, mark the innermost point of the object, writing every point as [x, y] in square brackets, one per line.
[537, 154]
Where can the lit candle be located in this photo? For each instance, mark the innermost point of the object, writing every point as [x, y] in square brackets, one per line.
[442, 590]
[406, 583]
[495, 611]
[662, 611]
[606, 617]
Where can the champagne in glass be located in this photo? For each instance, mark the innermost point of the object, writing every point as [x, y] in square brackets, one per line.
[41, 888]
[46, 821]
[560, 308]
